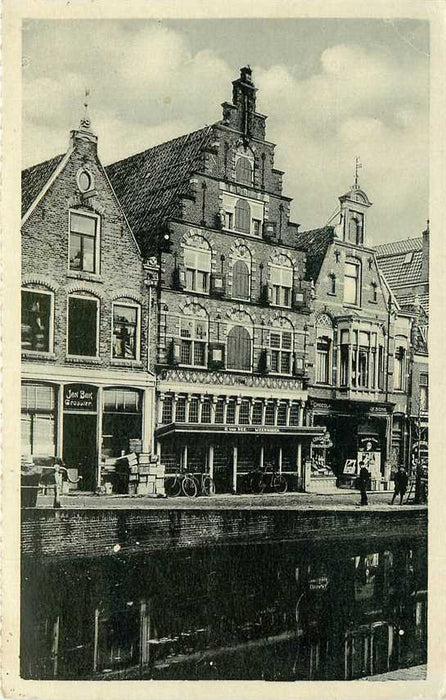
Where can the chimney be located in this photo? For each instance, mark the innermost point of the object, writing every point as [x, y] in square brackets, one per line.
[244, 99]
[425, 258]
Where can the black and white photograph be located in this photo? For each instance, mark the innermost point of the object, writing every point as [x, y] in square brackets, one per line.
[223, 283]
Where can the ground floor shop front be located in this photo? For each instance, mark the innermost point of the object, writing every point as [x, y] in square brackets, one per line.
[86, 418]
[358, 434]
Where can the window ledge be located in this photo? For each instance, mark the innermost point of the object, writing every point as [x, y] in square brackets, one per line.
[331, 294]
[84, 358]
[351, 306]
[122, 362]
[280, 306]
[38, 355]
[86, 276]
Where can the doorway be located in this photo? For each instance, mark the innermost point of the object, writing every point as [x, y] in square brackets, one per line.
[79, 447]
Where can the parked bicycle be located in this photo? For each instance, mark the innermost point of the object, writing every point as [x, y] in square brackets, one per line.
[190, 485]
[267, 478]
[205, 484]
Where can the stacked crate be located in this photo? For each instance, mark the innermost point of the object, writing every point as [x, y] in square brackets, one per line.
[132, 459]
[146, 482]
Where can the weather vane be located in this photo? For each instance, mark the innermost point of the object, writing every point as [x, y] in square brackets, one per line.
[358, 165]
[85, 121]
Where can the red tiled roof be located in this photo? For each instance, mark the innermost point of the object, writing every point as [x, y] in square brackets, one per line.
[150, 184]
[35, 178]
[315, 243]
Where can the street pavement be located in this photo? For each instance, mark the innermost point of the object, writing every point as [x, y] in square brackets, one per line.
[414, 673]
[341, 500]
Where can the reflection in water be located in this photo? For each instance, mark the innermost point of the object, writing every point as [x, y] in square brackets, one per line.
[273, 612]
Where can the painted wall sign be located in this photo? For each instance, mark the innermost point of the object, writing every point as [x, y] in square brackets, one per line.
[80, 397]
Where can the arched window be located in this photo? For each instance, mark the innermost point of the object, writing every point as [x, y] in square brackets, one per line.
[240, 280]
[243, 171]
[242, 216]
[126, 319]
[239, 348]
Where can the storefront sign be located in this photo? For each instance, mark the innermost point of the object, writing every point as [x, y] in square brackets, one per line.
[80, 397]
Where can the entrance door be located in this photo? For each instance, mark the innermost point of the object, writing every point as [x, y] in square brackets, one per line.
[79, 447]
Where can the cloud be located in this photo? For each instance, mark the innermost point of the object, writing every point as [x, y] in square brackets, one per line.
[148, 85]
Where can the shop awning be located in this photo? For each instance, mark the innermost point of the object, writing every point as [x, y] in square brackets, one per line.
[302, 431]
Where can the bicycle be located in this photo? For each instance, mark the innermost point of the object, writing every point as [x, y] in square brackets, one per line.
[205, 484]
[182, 483]
[260, 479]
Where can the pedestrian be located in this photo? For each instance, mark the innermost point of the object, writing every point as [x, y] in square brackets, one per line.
[364, 476]
[400, 482]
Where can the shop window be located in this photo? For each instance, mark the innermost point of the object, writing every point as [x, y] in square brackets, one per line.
[83, 242]
[240, 280]
[167, 410]
[193, 411]
[36, 320]
[197, 264]
[294, 414]
[242, 216]
[282, 285]
[257, 411]
[38, 438]
[281, 414]
[122, 420]
[270, 414]
[281, 344]
[206, 412]
[193, 333]
[244, 412]
[424, 392]
[239, 349]
[82, 326]
[243, 171]
[323, 360]
[399, 369]
[180, 412]
[219, 411]
[125, 331]
[352, 283]
[230, 411]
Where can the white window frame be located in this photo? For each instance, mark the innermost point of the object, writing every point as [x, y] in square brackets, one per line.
[97, 250]
[357, 264]
[257, 208]
[51, 323]
[130, 305]
[280, 350]
[84, 297]
[281, 287]
[196, 269]
[194, 339]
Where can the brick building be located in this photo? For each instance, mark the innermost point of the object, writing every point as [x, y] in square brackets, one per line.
[234, 305]
[359, 347]
[87, 384]
[405, 265]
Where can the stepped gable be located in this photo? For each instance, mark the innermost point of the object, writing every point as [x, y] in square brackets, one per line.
[35, 178]
[150, 184]
[315, 243]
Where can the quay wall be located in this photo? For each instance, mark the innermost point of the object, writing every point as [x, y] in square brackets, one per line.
[50, 534]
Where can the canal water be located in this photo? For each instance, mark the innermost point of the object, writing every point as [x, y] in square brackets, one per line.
[274, 612]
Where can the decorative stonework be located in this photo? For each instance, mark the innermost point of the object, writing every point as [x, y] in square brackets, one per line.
[281, 321]
[191, 308]
[126, 294]
[41, 280]
[241, 250]
[86, 289]
[239, 316]
[193, 239]
[282, 260]
[324, 320]
[228, 379]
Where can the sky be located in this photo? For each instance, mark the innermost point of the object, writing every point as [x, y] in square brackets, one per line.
[332, 89]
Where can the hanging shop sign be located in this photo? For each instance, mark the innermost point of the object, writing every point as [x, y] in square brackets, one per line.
[80, 397]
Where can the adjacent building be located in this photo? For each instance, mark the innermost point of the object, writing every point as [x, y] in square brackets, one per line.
[87, 380]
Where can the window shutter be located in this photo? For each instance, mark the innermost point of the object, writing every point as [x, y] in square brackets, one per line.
[240, 280]
[242, 216]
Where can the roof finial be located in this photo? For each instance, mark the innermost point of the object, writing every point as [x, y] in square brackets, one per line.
[358, 165]
[85, 122]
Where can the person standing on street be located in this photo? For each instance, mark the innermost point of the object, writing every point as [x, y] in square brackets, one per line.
[364, 476]
[400, 482]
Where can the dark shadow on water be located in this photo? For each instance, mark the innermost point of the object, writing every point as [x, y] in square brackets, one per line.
[273, 612]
